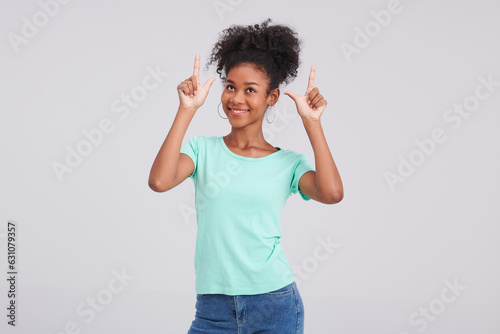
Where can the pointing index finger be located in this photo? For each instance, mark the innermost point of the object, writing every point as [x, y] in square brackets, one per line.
[310, 84]
[196, 70]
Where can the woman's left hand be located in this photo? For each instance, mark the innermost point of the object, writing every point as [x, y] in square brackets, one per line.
[311, 104]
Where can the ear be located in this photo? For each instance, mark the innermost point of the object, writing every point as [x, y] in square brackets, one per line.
[273, 97]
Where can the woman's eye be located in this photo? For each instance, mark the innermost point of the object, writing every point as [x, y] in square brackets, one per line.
[250, 90]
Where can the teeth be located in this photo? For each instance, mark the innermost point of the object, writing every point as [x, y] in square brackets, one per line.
[238, 111]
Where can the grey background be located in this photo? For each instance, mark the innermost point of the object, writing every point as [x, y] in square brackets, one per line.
[396, 248]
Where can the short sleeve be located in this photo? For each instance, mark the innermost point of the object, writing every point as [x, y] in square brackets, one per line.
[191, 149]
[301, 166]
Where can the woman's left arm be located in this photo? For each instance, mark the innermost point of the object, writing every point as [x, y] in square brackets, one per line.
[323, 185]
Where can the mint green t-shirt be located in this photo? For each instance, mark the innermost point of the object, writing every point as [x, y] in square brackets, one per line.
[239, 201]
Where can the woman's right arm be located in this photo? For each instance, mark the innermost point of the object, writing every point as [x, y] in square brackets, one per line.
[170, 167]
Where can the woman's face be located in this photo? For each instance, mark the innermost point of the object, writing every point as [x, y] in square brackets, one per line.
[244, 96]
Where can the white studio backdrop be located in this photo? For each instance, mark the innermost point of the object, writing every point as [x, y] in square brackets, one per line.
[88, 91]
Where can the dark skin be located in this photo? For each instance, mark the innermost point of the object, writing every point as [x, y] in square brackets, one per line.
[246, 90]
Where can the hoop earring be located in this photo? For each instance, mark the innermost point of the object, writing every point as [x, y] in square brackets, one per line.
[273, 116]
[219, 112]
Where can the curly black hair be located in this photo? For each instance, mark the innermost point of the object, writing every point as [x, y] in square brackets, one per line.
[273, 49]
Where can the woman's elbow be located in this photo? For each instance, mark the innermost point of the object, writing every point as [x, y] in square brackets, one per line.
[157, 186]
[334, 198]
[339, 197]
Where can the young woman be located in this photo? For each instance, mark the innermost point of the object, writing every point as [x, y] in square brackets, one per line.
[244, 283]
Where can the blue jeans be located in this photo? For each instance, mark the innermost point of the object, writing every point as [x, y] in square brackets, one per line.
[276, 312]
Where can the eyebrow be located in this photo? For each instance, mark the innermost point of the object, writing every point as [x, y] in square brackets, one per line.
[246, 83]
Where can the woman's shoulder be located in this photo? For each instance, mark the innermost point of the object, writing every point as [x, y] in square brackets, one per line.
[204, 141]
[205, 137]
[290, 154]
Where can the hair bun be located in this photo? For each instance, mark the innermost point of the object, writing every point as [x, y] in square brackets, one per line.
[273, 48]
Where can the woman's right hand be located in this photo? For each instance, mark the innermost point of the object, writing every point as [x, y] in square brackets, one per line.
[191, 94]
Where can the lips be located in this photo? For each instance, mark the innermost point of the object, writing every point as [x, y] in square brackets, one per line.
[238, 112]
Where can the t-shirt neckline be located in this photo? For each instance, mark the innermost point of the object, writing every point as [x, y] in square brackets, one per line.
[231, 153]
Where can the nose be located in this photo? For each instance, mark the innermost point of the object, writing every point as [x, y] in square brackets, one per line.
[237, 97]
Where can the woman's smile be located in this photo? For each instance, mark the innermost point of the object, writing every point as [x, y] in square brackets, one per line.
[238, 112]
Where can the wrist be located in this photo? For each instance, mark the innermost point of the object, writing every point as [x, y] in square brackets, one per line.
[187, 110]
[309, 120]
